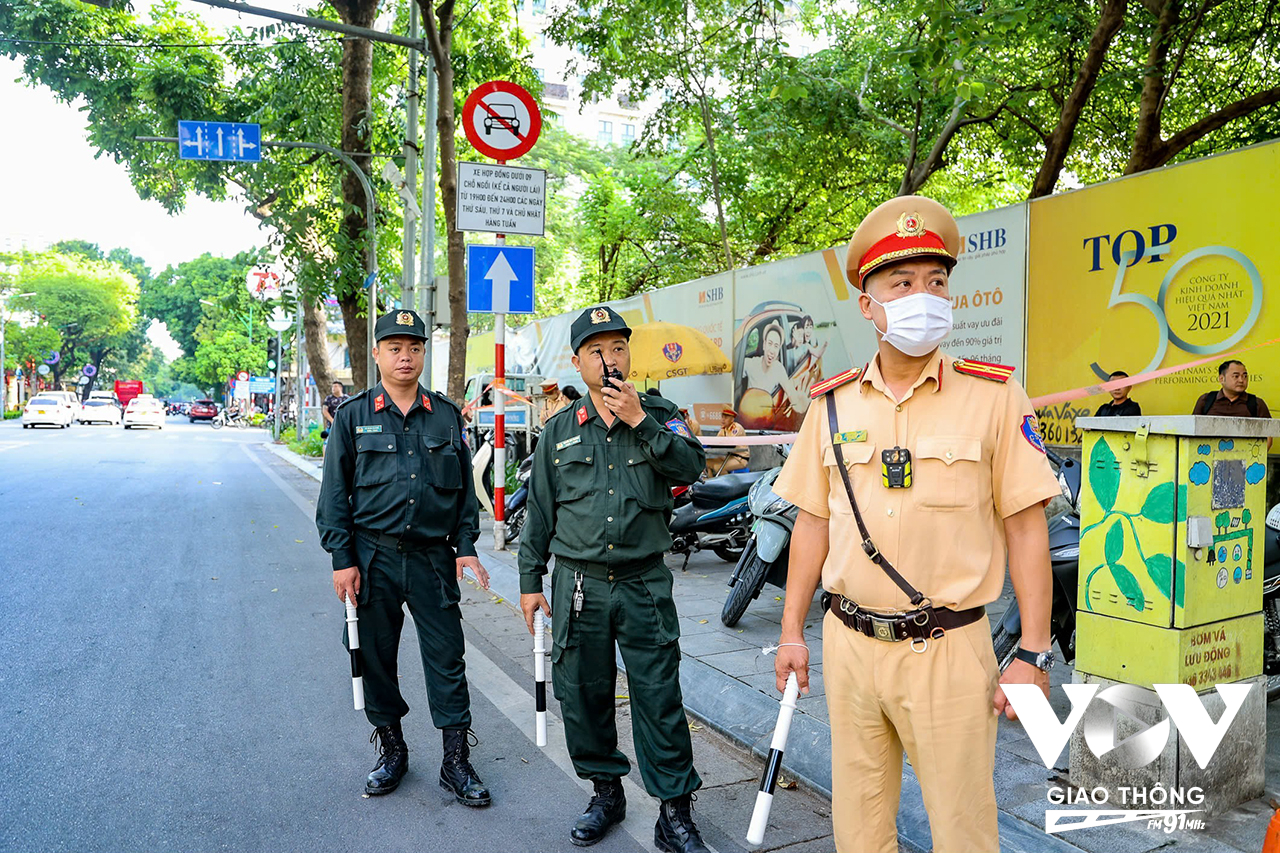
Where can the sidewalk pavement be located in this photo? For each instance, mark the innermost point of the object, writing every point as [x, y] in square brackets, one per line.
[728, 682]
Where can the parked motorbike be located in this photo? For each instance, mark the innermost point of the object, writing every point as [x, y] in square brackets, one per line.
[1064, 555]
[517, 503]
[230, 418]
[716, 518]
[764, 560]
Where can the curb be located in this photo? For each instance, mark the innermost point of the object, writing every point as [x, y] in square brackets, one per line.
[299, 462]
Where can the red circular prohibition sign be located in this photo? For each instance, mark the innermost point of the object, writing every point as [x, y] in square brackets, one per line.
[501, 120]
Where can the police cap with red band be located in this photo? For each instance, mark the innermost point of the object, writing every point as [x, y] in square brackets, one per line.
[905, 228]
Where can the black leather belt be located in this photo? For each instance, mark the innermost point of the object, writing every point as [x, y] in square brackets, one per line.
[914, 625]
[384, 540]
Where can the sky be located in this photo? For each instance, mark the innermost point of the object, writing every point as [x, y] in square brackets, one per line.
[55, 190]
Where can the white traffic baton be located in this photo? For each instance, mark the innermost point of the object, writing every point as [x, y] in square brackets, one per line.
[540, 676]
[353, 645]
[773, 766]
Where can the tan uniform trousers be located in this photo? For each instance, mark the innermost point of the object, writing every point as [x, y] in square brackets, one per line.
[884, 698]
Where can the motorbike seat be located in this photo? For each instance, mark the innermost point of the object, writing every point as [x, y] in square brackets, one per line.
[718, 491]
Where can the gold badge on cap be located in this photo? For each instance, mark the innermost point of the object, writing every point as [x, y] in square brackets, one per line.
[910, 225]
[404, 318]
[599, 315]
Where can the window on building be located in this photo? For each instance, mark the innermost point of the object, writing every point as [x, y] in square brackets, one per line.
[542, 39]
[628, 134]
[604, 133]
[539, 73]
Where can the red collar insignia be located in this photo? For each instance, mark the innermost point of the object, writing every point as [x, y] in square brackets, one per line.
[582, 415]
[379, 403]
[426, 402]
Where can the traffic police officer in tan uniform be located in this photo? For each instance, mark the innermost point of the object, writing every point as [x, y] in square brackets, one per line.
[600, 501]
[949, 475]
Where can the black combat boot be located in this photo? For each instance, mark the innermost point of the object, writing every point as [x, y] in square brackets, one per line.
[675, 832]
[393, 760]
[456, 773]
[607, 807]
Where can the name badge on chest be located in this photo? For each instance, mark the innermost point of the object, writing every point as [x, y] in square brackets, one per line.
[361, 430]
[568, 442]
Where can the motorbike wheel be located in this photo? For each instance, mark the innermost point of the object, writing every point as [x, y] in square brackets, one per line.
[217, 423]
[750, 580]
[515, 524]
[728, 553]
[1005, 645]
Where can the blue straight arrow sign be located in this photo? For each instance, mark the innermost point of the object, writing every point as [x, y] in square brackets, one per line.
[500, 279]
[220, 140]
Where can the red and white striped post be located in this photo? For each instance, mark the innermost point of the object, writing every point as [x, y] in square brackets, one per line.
[499, 416]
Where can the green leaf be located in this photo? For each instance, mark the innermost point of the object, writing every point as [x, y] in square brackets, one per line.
[1128, 586]
[962, 91]
[1115, 542]
[1160, 570]
[1104, 475]
[1160, 504]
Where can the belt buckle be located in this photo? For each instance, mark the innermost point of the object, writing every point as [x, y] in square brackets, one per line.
[883, 629]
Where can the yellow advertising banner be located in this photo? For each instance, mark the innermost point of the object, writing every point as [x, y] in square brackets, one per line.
[1151, 271]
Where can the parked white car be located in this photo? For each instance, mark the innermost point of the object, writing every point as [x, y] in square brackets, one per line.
[69, 398]
[99, 411]
[144, 411]
[47, 410]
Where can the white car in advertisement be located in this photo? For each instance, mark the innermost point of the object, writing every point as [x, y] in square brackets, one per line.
[144, 411]
[46, 410]
[99, 411]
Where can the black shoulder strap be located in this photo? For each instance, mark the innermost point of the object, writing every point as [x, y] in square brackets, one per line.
[867, 545]
[1203, 404]
[1251, 403]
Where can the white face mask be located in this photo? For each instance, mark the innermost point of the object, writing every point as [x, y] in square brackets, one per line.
[915, 324]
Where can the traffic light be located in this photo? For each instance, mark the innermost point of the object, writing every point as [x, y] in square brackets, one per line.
[273, 353]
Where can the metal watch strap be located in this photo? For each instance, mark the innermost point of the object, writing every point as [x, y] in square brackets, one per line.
[868, 546]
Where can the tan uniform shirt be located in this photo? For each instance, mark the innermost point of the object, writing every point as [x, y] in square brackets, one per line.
[550, 406]
[976, 460]
[734, 429]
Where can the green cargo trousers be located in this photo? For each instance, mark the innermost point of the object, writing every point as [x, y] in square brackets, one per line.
[427, 581]
[638, 614]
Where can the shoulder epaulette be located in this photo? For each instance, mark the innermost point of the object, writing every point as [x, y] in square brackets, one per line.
[834, 382]
[984, 370]
[444, 399]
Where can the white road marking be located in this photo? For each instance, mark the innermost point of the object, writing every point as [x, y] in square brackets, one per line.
[6, 445]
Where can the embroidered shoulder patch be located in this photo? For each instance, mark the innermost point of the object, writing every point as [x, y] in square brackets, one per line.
[679, 427]
[1031, 432]
[568, 442]
[361, 430]
[379, 403]
[834, 382]
[582, 415]
[984, 370]
[426, 402]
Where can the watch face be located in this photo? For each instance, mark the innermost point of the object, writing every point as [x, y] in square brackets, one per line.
[1045, 660]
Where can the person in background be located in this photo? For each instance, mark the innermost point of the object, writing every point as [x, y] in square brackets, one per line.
[1233, 399]
[552, 402]
[695, 428]
[571, 394]
[1120, 406]
[337, 393]
[735, 458]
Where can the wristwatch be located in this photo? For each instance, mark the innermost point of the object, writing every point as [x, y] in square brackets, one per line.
[1041, 660]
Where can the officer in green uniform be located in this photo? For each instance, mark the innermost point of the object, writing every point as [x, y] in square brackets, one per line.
[600, 500]
[398, 513]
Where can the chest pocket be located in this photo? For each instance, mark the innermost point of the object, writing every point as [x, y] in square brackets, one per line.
[443, 467]
[857, 456]
[644, 483]
[375, 459]
[575, 472]
[948, 473]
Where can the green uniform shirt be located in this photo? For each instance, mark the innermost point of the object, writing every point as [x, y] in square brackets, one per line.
[603, 495]
[405, 475]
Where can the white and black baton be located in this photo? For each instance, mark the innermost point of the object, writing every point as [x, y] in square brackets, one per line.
[769, 781]
[353, 645]
[540, 676]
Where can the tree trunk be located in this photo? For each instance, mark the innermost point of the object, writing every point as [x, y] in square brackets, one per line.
[1109, 23]
[1146, 134]
[715, 177]
[357, 96]
[315, 328]
[446, 125]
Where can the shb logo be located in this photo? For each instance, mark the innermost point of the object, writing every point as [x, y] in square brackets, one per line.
[1185, 711]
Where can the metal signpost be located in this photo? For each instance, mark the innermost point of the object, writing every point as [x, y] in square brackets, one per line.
[502, 121]
[279, 323]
